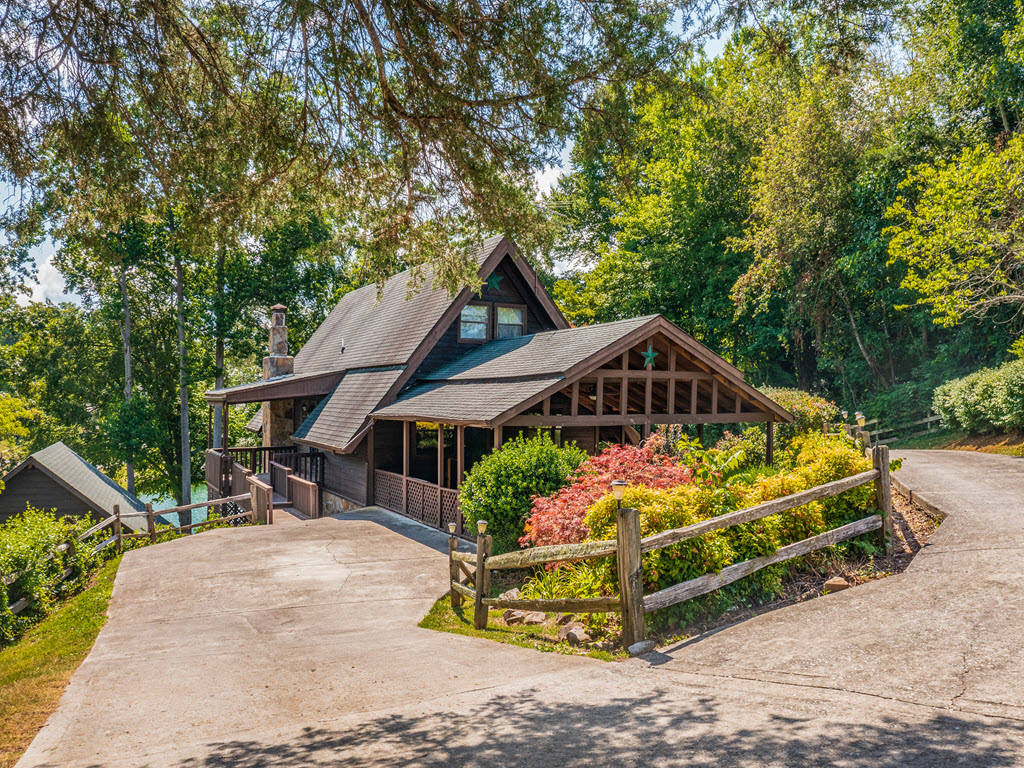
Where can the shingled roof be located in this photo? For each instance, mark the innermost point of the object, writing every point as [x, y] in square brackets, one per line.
[484, 386]
[82, 479]
[338, 420]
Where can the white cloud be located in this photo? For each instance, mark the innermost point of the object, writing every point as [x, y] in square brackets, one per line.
[49, 283]
[547, 178]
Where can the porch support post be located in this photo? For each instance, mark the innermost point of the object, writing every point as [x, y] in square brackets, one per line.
[371, 467]
[497, 437]
[405, 465]
[460, 454]
[209, 426]
[440, 469]
[224, 437]
[769, 453]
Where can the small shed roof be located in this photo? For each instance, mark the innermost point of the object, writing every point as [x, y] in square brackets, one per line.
[338, 421]
[82, 479]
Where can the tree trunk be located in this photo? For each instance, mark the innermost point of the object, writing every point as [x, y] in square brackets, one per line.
[184, 518]
[872, 363]
[129, 385]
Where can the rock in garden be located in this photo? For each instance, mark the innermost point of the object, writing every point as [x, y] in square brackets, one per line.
[514, 617]
[836, 583]
[565, 629]
[577, 636]
[536, 617]
[566, 618]
[639, 649]
[512, 594]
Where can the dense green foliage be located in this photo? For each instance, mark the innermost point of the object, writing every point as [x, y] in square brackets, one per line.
[500, 488]
[989, 400]
[27, 543]
[811, 415]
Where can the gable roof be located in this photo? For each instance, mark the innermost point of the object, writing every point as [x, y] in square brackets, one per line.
[486, 386]
[389, 329]
[80, 478]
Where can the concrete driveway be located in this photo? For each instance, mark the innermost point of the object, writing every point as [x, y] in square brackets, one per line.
[297, 645]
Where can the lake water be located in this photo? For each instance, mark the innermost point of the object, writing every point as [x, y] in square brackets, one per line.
[166, 502]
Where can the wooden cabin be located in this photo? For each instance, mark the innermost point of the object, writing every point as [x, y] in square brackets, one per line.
[58, 478]
[394, 397]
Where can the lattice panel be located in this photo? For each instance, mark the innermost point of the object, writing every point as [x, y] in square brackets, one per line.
[387, 490]
[417, 501]
[449, 508]
[430, 514]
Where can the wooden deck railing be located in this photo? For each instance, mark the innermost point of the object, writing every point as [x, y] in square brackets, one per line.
[257, 458]
[469, 574]
[259, 501]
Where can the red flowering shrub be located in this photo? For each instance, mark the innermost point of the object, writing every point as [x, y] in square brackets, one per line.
[560, 517]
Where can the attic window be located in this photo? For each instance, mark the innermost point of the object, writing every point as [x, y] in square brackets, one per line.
[474, 322]
[510, 322]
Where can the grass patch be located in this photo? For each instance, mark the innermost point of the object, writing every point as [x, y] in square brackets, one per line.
[35, 670]
[539, 637]
[1010, 444]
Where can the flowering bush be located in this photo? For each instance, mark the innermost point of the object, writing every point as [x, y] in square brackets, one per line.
[559, 518]
[813, 459]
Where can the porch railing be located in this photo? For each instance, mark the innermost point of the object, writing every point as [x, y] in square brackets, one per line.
[257, 458]
[418, 499]
[308, 465]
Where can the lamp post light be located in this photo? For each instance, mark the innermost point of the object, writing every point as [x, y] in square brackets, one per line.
[845, 415]
[451, 528]
[861, 421]
[481, 527]
[618, 491]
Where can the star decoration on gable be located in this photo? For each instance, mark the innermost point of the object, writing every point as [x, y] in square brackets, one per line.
[649, 354]
[493, 281]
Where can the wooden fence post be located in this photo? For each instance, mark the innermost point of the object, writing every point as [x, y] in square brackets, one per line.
[150, 522]
[883, 492]
[117, 527]
[482, 580]
[631, 584]
[453, 566]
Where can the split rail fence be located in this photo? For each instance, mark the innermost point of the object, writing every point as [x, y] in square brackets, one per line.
[470, 573]
[256, 505]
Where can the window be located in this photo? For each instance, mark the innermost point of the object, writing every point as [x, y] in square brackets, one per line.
[511, 322]
[474, 322]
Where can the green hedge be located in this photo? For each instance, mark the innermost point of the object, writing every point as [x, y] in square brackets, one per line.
[989, 400]
[501, 486]
[26, 541]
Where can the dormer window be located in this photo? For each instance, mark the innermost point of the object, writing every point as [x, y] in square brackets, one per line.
[474, 322]
[511, 322]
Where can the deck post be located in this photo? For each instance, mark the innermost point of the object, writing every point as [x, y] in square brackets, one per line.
[769, 453]
[371, 468]
[460, 454]
[631, 583]
[117, 528]
[482, 580]
[883, 492]
[150, 522]
[497, 437]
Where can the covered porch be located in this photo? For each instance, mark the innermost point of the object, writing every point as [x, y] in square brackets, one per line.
[421, 446]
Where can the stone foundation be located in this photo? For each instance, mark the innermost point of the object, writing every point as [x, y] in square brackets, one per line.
[332, 503]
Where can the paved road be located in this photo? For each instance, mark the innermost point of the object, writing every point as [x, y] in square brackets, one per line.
[296, 645]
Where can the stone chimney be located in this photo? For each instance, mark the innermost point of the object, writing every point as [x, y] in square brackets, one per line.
[278, 362]
[278, 424]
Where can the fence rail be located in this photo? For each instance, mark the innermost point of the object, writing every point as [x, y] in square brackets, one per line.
[469, 574]
[260, 503]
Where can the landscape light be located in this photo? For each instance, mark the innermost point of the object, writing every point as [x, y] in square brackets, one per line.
[481, 527]
[861, 421]
[451, 528]
[618, 489]
[845, 415]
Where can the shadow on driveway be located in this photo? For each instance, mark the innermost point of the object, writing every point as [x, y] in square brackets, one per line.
[657, 729]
